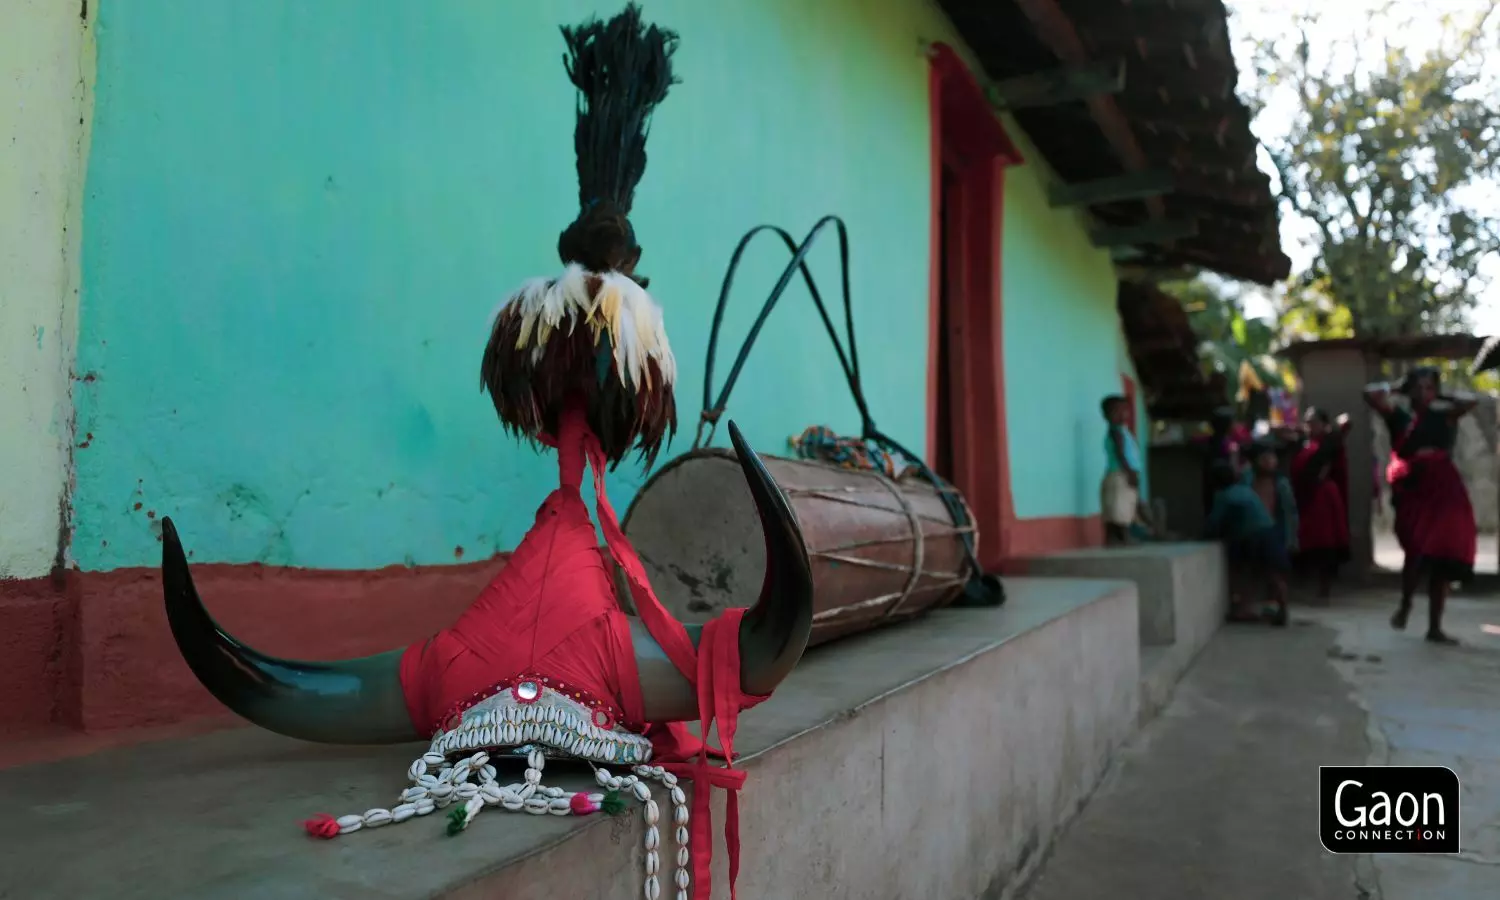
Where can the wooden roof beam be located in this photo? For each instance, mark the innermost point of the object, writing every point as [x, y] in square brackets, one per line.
[1155, 274]
[1053, 87]
[1132, 186]
[1057, 33]
[1159, 232]
[1192, 104]
[1185, 160]
[1168, 5]
[1264, 268]
[1186, 130]
[1214, 78]
[1227, 202]
[1166, 31]
[1215, 127]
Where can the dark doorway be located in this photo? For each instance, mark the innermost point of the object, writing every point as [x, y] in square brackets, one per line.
[965, 375]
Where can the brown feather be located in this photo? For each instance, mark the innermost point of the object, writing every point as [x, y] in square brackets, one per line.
[529, 393]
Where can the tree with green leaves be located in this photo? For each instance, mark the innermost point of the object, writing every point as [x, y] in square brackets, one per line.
[1229, 337]
[1383, 157]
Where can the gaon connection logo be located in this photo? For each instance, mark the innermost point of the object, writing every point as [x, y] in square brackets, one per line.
[1388, 809]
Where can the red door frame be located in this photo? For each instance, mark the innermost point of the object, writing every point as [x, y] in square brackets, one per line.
[971, 142]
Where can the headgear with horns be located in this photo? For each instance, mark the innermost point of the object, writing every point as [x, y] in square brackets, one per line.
[546, 664]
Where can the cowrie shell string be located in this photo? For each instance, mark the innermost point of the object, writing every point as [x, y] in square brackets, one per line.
[457, 771]
[638, 787]
[472, 782]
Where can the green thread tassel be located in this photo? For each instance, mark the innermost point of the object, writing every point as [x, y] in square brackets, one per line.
[457, 821]
[613, 804]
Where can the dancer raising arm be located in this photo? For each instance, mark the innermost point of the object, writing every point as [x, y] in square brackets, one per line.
[1434, 518]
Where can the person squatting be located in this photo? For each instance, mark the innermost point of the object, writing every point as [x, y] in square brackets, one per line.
[1255, 515]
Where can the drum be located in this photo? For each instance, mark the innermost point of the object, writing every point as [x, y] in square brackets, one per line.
[882, 550]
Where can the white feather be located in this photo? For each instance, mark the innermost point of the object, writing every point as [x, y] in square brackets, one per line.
[524, 297]
[575, 285]
[547, 302]
[645, 316]
[628, 349]
[575, 294]
[556, 305]
[532, 293]
[665, 360]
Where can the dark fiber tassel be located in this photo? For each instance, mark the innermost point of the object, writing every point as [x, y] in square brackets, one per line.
[622, 69]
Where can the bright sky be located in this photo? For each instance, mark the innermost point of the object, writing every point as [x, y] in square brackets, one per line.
[1416, 25]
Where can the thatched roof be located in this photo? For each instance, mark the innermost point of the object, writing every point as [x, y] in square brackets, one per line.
[1132, 103]
[1164, 351]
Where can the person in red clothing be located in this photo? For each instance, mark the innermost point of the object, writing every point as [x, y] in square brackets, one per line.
[1434, 517]
[1320, 480]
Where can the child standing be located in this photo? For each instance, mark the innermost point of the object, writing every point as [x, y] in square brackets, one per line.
[1256, 517]
[1120, 494]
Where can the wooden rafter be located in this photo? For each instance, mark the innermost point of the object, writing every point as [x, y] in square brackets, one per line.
[1176, 112]
[1158, 232]
[1134, 186]
[1057, 33]
[1158, 6]
[1057, 86]
[1168, 31]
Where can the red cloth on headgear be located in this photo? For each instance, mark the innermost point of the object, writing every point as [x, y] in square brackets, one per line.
[552, 612]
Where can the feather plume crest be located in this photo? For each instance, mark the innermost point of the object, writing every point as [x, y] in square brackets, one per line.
[621, 307]
[596, 335]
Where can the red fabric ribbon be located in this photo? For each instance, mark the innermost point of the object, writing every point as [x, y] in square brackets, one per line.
[667, 631]
[713, 667]
[719, 698]
[700, 830]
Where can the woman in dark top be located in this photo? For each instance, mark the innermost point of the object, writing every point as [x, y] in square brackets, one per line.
[1434, 519]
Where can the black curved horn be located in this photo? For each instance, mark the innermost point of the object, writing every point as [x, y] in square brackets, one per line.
[357, 701]
[774, 633]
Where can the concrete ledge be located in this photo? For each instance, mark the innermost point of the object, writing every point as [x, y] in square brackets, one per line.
[1183, 589]
[1183, 595]
[934, 759]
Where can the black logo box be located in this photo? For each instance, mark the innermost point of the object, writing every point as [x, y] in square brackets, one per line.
[1389, 809]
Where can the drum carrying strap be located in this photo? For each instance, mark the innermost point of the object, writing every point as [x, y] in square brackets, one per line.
[982, 588]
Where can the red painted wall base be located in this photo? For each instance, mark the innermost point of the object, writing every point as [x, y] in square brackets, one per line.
[95, 652]
[91, 654]
[1053, 534]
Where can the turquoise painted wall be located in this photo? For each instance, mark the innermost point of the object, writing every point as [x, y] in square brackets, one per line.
[299, 217]
[1063, 351]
